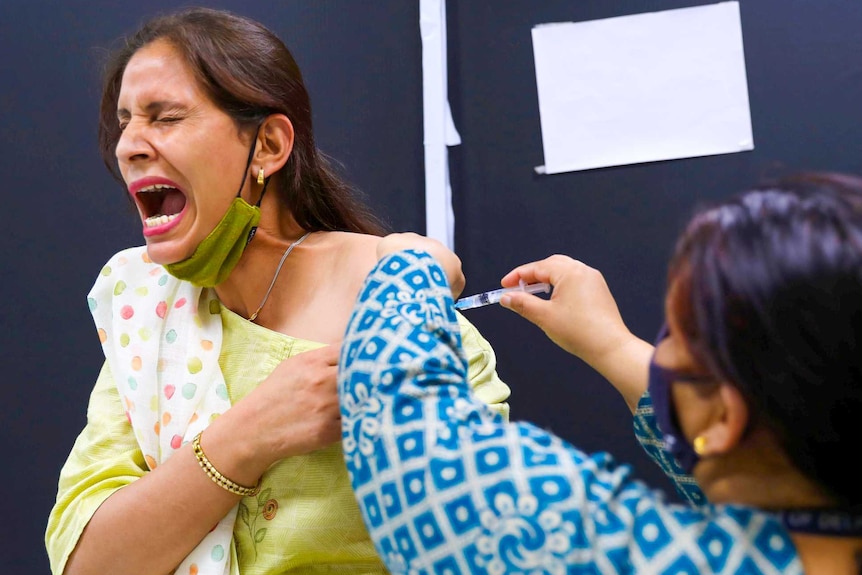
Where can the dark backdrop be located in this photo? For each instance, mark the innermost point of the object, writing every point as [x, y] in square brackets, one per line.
[64, 216]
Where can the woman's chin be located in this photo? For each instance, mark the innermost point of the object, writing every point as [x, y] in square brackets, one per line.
[163, 255]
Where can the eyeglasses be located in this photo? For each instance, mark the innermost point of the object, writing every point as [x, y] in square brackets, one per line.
[673, 375]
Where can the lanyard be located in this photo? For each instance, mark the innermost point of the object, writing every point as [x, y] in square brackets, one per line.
[841, 522]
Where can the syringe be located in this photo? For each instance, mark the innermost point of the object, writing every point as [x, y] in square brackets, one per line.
[493, 296]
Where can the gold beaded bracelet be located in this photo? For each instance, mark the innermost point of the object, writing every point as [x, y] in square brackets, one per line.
[217, 477]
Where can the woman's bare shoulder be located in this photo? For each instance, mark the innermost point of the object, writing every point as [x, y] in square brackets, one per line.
[353, 251]
[354, 243]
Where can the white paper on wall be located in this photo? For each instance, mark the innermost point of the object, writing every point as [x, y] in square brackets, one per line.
[642, 88]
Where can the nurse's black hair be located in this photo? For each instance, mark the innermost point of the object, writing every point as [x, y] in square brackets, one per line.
[768, 288]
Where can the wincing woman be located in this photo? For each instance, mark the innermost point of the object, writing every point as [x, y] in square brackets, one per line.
[211, 441]
[750, 401]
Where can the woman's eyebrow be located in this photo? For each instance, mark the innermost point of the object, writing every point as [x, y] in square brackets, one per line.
[153, 108]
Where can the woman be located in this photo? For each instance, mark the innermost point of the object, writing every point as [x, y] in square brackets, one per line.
[754, 389]
[211, 442]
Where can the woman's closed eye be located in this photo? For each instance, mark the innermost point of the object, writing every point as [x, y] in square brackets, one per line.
[168, 119]
[123, 123]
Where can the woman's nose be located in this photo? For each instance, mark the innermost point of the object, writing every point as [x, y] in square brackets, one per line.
[133, 144]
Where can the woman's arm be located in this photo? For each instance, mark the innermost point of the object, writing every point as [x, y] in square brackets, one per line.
[114, 516]
[111, 515]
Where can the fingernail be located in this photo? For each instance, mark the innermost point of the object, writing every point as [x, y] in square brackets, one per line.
[505, 300]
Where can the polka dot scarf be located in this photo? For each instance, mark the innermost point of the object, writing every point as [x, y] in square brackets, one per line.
[162, 339]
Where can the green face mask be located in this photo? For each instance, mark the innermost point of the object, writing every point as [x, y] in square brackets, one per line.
[216, 256]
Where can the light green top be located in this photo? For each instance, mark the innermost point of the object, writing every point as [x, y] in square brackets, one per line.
[305, 518]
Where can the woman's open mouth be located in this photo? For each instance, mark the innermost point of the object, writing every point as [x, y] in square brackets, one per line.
[161, 203]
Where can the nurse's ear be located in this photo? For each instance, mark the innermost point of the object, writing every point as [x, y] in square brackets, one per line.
[727, 428]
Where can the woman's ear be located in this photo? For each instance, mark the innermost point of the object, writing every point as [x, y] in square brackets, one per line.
[725, 431]
[274, 144]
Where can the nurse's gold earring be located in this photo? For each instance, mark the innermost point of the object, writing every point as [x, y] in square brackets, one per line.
[260, 177]
[700, 445]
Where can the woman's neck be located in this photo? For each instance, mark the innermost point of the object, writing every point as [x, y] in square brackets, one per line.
[758, 473]
[244, 288]
[829, 555]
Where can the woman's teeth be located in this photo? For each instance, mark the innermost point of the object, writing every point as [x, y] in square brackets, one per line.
[155, 221]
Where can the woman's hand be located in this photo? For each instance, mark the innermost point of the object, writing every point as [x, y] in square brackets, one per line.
[582, 317]
[447, 259]
[304, 389]
[293, 411]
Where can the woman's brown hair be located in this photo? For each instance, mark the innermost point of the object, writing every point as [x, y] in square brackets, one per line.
[248, 72]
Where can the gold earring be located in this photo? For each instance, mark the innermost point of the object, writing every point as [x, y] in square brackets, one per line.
[700, 445]
[260, 177]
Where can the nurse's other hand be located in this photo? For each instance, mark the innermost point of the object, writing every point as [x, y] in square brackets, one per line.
[447, 259]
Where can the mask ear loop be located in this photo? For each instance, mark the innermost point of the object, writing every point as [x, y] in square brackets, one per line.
[253, 230]
[265, 184]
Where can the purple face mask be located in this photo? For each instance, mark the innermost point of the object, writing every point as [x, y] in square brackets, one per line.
[660, 380]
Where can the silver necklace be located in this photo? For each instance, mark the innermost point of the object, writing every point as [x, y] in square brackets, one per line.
[286, 253]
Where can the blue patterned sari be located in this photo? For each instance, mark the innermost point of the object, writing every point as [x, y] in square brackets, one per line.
[445, 485]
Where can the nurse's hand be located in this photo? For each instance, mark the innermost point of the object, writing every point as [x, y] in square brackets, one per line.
[582, 317]
[447, 259]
